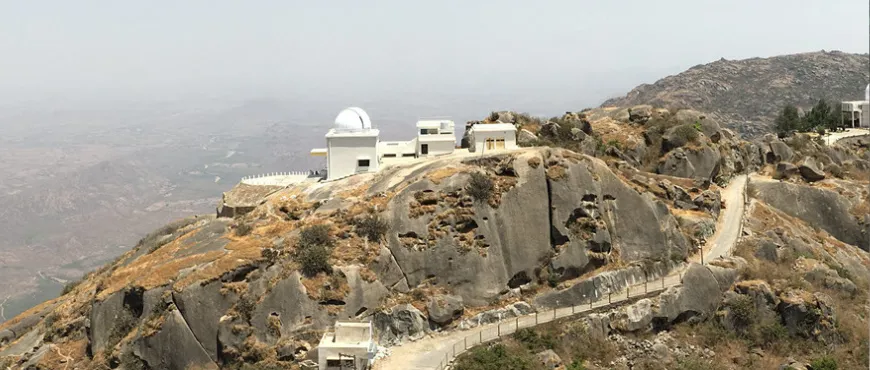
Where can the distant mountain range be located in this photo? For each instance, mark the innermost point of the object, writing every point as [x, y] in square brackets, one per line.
[746, 95]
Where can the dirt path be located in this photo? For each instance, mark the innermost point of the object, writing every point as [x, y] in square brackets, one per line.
[431, 352]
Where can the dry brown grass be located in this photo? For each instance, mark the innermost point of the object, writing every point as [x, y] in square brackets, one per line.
[556, 173]
[442, 173]
[534, 162]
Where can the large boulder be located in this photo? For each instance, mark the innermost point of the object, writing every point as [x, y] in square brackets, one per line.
[443, 309]
[696, 162]
[549, 359]
[640, 113]
[695, 300]
[809, 315]
[779, 152]
[809, 169]
[202, 306]
[526, 138]
[173, 347]
[399, 324]
[634, 317]
[785, 170]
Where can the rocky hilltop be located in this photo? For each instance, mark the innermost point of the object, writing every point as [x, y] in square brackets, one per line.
[594, 200]
[746, 95]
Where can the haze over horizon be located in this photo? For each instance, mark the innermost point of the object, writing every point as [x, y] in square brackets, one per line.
[540, 56]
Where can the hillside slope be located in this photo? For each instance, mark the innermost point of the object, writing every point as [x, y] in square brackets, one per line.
[745, 95]
[605, 197]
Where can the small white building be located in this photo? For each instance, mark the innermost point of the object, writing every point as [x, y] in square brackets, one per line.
[351, 145]
[857, 113]
[435, 137]
[348, 342]
[487, 137]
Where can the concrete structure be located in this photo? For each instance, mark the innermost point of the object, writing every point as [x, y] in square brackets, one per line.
[493, 136]
[348, 342]
[857, 113]
[351, 145]
[435, 137]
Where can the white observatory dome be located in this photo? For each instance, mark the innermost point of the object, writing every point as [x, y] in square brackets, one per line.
[353, 118]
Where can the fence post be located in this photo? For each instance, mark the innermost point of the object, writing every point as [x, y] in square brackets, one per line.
[481, 336]
[663, 281]
[572, 310]
[627, 291]
[465, 340]
[499, 329]
[645, 285]
[609, 296]
[536, 318]
[554, 313]
[517, 323]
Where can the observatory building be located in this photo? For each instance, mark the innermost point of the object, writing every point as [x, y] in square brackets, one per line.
[351, 145]
[354, 146]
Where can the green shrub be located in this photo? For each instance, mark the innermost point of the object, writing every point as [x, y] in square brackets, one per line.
[824, 363]
[683, 135]
[480, 187]
[695, 362]
[496, 357]
[614, 143]
[533, 341]
[313, 260]
[372, 227]
[743, 309]
[577, 364]
[315, 235]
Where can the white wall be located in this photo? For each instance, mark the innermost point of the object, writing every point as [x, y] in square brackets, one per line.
[510, 139]
[345, 151]
[438, 144]
[325, 352]
[397, 148]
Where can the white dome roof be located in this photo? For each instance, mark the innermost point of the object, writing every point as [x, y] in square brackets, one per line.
[353, 118]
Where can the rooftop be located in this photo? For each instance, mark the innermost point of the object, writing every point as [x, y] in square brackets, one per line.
[488, 127]
[369, 132]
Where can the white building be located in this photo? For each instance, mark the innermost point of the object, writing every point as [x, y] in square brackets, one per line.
[857, 113]
[435, 137]
[493, 136]
[349, 342]
[351, 145]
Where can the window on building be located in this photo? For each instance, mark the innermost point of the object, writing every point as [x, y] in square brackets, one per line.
[362, 163]
[428, 131]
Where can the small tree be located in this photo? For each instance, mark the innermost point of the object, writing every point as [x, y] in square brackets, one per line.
[825, 363]
[315, 235]
[372, 227]
[314, 260]
[480, 187]
[788, 121]
[820, 116]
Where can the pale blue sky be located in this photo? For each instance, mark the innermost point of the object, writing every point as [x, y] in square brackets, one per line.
[578, 51]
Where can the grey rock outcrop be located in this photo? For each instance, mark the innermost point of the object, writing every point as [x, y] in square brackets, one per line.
[495, 315]
[173, 347]
[634, 317]
[549, 359]
[696, 299]
[816, 206]
[699, 162]
[202, 306]
[398, 324]
[443, 309]
[526, 138]
[809, 169]
[785, 170]
[640, 113]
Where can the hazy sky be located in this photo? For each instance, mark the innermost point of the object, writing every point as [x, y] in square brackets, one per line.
[571, 51]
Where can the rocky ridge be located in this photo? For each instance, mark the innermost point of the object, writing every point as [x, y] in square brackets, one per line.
[728, 89]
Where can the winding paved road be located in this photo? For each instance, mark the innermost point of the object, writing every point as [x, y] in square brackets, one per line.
[434, 352]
